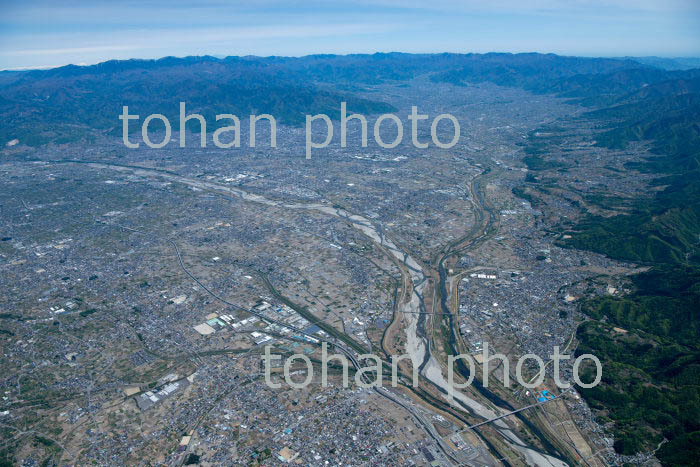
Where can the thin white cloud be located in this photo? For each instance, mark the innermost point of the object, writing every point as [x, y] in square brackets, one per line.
[71, 50]
[533, 6]
[35, 67]
[98, 30]
[145, 39]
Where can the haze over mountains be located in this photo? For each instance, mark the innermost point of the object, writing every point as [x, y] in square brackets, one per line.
[61, 104]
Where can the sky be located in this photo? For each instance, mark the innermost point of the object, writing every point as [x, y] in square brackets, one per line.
[46, 33]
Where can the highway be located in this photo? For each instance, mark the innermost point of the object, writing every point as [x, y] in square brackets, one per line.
[410, 306]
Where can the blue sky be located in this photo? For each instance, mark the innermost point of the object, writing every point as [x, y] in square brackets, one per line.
[51, 33]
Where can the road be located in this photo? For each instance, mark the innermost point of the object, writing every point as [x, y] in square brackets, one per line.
[411, 306]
